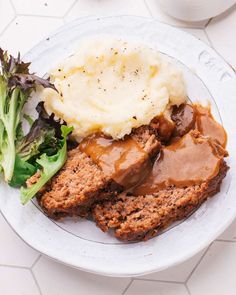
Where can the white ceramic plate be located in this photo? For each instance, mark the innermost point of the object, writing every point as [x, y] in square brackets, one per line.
[81, 244]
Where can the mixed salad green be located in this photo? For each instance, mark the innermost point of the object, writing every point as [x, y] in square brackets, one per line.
[44, 148]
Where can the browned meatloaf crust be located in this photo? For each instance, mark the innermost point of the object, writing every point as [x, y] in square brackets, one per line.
[81, 182]
[140, 218]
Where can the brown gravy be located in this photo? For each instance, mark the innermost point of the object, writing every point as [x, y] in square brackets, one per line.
[207, 126]
[164, 126]
[184, 118]
[188, 117]
[188, 161]
[124, 160]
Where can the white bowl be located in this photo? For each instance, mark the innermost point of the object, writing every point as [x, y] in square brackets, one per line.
[195, 10]
[82, 244]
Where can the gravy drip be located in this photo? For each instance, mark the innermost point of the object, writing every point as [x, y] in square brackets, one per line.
[191, 160]
[124, 160]
[207, 126]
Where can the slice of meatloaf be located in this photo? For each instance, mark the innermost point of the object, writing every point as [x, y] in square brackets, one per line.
[143, 217]
[81, 182]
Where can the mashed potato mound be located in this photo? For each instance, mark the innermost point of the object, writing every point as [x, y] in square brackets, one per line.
[112, 86]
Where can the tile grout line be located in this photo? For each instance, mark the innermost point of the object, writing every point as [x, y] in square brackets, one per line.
[187, 288]
[159, 281]
[69, 9]
[13, 7]
[149, 11]
[40, 15]
[127, 287]
[7, 26]
[37, 259]
[216, 50]
[36, 282]
[14, 266]
[225, 241]
[197, 264]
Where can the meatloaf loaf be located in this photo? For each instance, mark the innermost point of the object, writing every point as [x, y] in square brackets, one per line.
[81, 182]
[135, 218]
[139, 217]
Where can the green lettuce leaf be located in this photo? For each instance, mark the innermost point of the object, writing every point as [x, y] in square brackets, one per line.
[50, 165]
[16, 86]
[22, 171]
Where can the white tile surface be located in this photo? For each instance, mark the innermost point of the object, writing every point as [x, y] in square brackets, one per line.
[6, 14]
[230, 233]
[178, 273]
[157, 13]
[222, 33]
[107, 7]
[43, 7]
[75, 282]
[156, 288]
[17, 282]
[26, 31]
[216, 272]
[13, 251]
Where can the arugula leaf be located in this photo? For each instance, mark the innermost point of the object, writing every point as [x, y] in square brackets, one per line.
[22, 171]
[50, 165]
